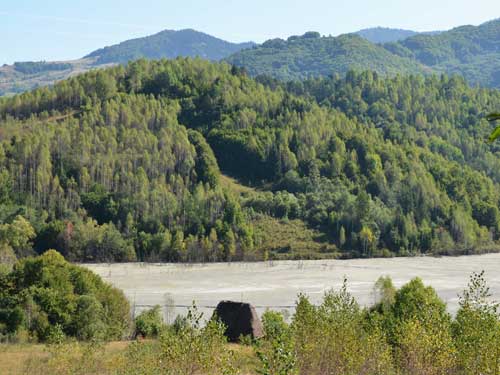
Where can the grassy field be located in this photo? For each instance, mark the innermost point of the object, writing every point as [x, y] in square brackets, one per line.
[16, 359]
[283, 239]
[291, 239]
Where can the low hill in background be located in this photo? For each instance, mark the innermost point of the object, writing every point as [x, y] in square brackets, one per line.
[470, 51]
[168, 44]
[385, 34]
[311, 55]
[22, 76]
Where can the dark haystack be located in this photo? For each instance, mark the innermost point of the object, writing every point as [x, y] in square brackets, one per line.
[240, 319]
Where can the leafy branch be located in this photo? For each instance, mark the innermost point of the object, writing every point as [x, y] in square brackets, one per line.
[492, 117]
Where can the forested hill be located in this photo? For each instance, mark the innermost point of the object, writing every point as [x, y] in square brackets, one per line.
[311, 55]
[168, 44]
[471, 51]
[124, 164]
[23, 76]
[385, 34]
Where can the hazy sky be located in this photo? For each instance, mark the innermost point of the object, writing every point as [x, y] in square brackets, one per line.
[66, 29]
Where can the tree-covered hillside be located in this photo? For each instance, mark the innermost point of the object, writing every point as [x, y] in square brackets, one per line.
[168, 44]
[470, 51]
[124, 163]
[311, 55]
[23, 76]
[385, 34]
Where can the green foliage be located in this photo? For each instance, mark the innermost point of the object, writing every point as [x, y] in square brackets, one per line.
[384, 34]
[168, 44]
[492, 117]
[34, 67]
[385, 292]
[149, 323]
[302, 57]
[276, 351]
[476, 329]
[124, 164]
[17, 236]
[332, 338]
[188, 348]
[471, 51]
[51, 298]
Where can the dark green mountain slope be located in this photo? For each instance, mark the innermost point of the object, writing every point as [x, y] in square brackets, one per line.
[168, 44]
[313, 55]
[124, 164]
[471, 51]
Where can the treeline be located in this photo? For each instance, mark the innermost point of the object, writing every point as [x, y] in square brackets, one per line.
[408, 331]
[34, 67]
[123, 164]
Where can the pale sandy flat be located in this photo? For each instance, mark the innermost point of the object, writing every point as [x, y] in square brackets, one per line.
[276, 284]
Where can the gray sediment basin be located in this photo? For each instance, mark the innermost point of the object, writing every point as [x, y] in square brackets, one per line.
[276, 284]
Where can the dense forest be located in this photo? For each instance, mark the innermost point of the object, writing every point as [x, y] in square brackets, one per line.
[34, 67]
[385, 34]
[405, 331]
[168, 44]
[311, 55]
[45, 298]
[24, 76]
[130, 163]
[470, 51]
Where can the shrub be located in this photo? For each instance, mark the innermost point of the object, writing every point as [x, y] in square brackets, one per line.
[276, 351]
[476, 329]
[332, 338]
[149, 323]
[46, 294]
[192, 349]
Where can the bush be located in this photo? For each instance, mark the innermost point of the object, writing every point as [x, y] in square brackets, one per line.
[332, 338]
[149, 323]
[50, 297]
[274, 325]
[276, 351]
[476, 329]
[192, 349]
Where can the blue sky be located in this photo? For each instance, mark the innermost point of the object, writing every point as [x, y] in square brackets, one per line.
[65, 29]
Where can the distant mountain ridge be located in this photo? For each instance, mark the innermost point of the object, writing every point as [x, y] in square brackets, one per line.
[23, 76]
[385, 34]
[168, 44]
[312, 55]
[470, 51]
